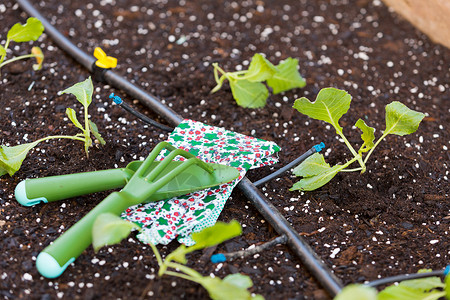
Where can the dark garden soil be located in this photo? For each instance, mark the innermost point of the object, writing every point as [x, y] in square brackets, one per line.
[393, 219]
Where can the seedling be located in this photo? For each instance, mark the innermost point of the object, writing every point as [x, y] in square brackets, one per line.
[330, 105]
[11, 158]
[430, 288]
[31, 31]
[247, 87]
[83, 92]
[110, 229]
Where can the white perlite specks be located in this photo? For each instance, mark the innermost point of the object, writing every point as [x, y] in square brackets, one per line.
[335, 252]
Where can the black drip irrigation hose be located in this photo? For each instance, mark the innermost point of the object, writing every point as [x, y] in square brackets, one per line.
[221, 257]
[297, 161]
[399, 278]
[298, 245]
[137, 114]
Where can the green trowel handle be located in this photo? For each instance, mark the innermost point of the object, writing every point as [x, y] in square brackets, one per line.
[54, 259]
[48, 189]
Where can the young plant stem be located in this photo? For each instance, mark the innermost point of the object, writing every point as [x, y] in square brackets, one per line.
[183, 269]
[217, 68]
[374, 146]
[235, 75]
[228, 75]
[356, 158]
[6, 48]
[353, 151]
[180, 275]
[220, 80]
[157, 254]
[15, 59]
[167, 263]
[352, 170]
[216, 73]
[71, 137]
[87, 132]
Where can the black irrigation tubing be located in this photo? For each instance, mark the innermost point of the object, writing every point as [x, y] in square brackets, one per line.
[222, 257]
[139, 115]
[295, 162]
[298, 245]
[399, 278]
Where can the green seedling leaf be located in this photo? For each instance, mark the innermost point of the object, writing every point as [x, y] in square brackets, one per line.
[317, 181]
[247, 87]
[109, 229]
[208, 237]
[367, 135]
[330, 105]
[249, 94]
[415, 289]
[31, 31]
[287, 77]
[402, 292]
[239, 280]
[11, 158]
[401, 120]
[424, 284]
[260, 69]
[73, 117]
[447, 286]
[231, 287]
[313, 165]
[2, 50]
[216, 234]
[39, 56]
[82, 91]
[357, 292]
[95, 132]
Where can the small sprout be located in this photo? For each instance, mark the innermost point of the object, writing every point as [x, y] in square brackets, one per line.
[31, 31]
[11, 158]
[233, 286]
[104, 61]
[247, 87]
[83, 92]
[330, 105]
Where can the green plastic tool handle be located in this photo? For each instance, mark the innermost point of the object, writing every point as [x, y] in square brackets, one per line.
[48, 189]
[54, 259]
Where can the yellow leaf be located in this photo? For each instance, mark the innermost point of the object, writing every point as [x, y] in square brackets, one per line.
[39, 57]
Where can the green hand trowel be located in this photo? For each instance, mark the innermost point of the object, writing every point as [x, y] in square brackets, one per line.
[143, 180]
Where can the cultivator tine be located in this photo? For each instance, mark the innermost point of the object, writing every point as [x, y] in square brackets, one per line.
[152, 156]
[177, 152]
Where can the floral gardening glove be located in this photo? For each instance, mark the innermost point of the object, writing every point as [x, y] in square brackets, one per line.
[178, 217]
